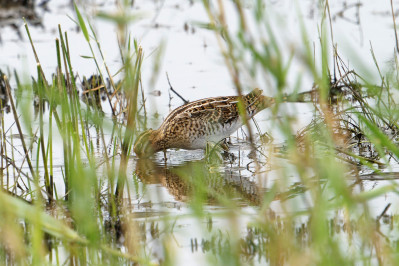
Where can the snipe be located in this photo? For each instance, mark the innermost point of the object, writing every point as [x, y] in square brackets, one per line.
[192, 125]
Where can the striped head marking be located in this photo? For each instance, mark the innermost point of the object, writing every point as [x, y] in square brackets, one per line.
[143, 145]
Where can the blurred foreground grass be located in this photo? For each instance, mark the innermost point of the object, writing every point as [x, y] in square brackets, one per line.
[93, 221]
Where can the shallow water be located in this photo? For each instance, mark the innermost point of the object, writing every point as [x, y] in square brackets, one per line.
[192, 59]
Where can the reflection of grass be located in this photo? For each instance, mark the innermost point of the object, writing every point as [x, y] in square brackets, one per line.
[94, 213]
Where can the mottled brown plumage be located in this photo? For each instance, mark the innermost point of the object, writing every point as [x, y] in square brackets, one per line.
[192, 125]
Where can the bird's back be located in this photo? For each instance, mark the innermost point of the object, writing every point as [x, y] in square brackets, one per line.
[191, 125]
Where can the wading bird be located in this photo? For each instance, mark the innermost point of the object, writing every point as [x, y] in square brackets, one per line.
[193, 125]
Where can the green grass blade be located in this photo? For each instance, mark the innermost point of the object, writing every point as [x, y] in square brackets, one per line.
[82, 23]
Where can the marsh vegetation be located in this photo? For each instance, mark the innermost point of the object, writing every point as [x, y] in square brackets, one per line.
[73, 191]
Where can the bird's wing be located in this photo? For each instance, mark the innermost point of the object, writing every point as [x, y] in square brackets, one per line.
[216, 109]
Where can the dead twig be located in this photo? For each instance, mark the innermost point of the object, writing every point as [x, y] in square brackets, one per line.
[386, 208]
[171, 88]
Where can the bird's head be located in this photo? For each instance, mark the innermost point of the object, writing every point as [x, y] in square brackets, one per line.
[144, 145]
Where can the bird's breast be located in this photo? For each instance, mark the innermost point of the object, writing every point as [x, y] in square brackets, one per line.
[213, 132]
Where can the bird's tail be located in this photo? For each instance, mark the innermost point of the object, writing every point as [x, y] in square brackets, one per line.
[256, 102]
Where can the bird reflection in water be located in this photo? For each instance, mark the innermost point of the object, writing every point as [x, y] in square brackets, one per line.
[185, 180]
